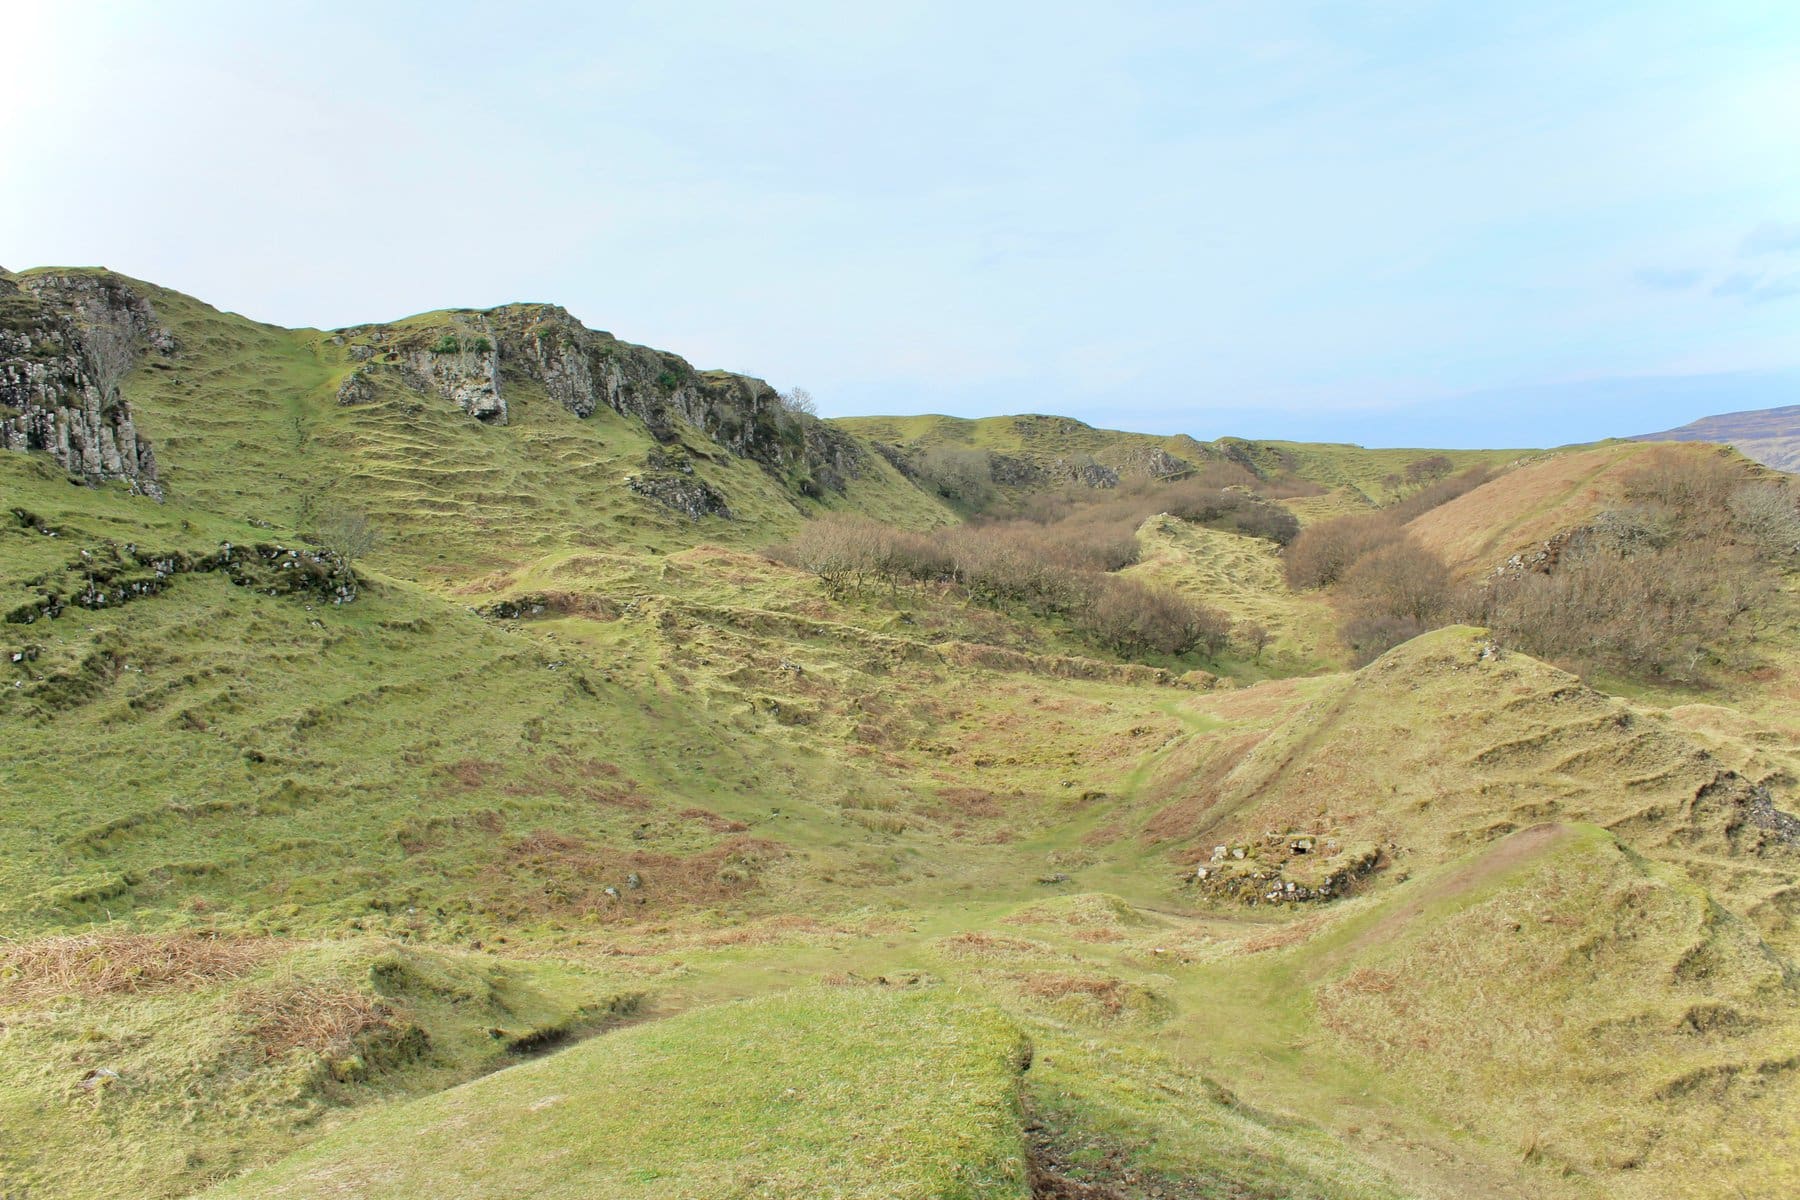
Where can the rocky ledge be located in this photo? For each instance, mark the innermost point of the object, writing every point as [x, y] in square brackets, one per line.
[67, 340]
[471, 357]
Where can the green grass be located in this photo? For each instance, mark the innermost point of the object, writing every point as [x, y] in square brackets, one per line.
[695, 787]
[149, 1082]
[853, 1092]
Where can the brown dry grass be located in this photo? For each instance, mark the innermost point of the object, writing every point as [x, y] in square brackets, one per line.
[316, 1017]
[1291, 934]
[713, 821]
[573, 875]
[1110, 996]
[1525, 507]
[988, 945]
[1097, 935]
[112, 964]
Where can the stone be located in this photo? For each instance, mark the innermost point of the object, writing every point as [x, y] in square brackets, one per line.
[67, 341]
[357, 388]
[693, 498]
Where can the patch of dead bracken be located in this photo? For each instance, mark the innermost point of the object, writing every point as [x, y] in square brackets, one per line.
[323, 1019]
[124, 963]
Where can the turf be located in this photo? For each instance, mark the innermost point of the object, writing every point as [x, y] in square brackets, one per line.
[852, 1092]
[290, 884]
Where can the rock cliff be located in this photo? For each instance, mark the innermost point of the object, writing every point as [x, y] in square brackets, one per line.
[67, 340]
[469, 358]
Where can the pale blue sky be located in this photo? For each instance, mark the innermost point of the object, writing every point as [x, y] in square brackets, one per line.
[1390, 222]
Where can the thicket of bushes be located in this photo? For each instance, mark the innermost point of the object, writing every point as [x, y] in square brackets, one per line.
[1060, 568]
[1656, 588]
[1056, 551]
[1214, 496]
[1663, 586]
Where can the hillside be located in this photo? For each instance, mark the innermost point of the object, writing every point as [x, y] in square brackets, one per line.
[1524, 511]
[565, 841]
[1032, 452]
[1771, 436]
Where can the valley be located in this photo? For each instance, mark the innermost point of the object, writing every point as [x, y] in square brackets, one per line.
[436, 761]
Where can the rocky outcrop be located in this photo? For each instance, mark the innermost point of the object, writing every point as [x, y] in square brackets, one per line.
[470, 358]
[358, 386]
[897, 459]
[115, 575]
[692, 498]
[1085, 471]
[463, 368]
[67, 341]
[1157, 463]
[1009, 471]
[456, 361]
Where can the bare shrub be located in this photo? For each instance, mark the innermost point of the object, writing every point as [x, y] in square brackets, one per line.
[960, 475]
[1767, 515]
[1370, 635]
[1679, 479]
[1661, 613]
[1662, 586]
[1234, 511]
[1427, 470]
[1322, 553]
[845, 552]
[1401, 579]
[1440, 492]
[798, 400]
[348, 533]
[1131, 617]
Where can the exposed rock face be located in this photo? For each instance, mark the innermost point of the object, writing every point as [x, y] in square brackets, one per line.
[357, 387]
[1159, 464]
[67, 340]
[1087, 472]
[690, 497]
[583, 368]
[462, 368]
[470, 358]
[1009, 471]
[457, 361]
[897, 459]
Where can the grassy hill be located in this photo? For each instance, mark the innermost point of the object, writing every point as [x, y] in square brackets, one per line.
[1044, 451]
[591, 849]
[1771, 436]
[1525, 509]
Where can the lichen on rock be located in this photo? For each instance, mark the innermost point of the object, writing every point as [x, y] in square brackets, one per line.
[693, 498]
[67, 341]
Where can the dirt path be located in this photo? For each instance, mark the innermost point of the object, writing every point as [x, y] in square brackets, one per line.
[1503, 856]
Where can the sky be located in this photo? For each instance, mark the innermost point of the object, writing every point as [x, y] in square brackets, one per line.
[1392, 222]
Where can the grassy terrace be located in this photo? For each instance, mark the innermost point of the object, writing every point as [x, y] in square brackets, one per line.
[590, 850]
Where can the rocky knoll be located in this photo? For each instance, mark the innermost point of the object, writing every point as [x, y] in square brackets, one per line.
[471, 357]
[67, 340]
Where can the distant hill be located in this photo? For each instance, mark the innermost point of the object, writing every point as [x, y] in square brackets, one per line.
[1769, 435]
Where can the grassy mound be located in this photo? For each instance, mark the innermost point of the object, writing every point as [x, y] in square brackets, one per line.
[144, 1065]
[1524, 508]
[1600, 1011]
[1443, 744]
[845, 1092]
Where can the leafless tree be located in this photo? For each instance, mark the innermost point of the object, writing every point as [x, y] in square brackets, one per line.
[348, 534]
[799, 400]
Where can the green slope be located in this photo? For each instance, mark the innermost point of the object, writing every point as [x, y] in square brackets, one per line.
[278, 871]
